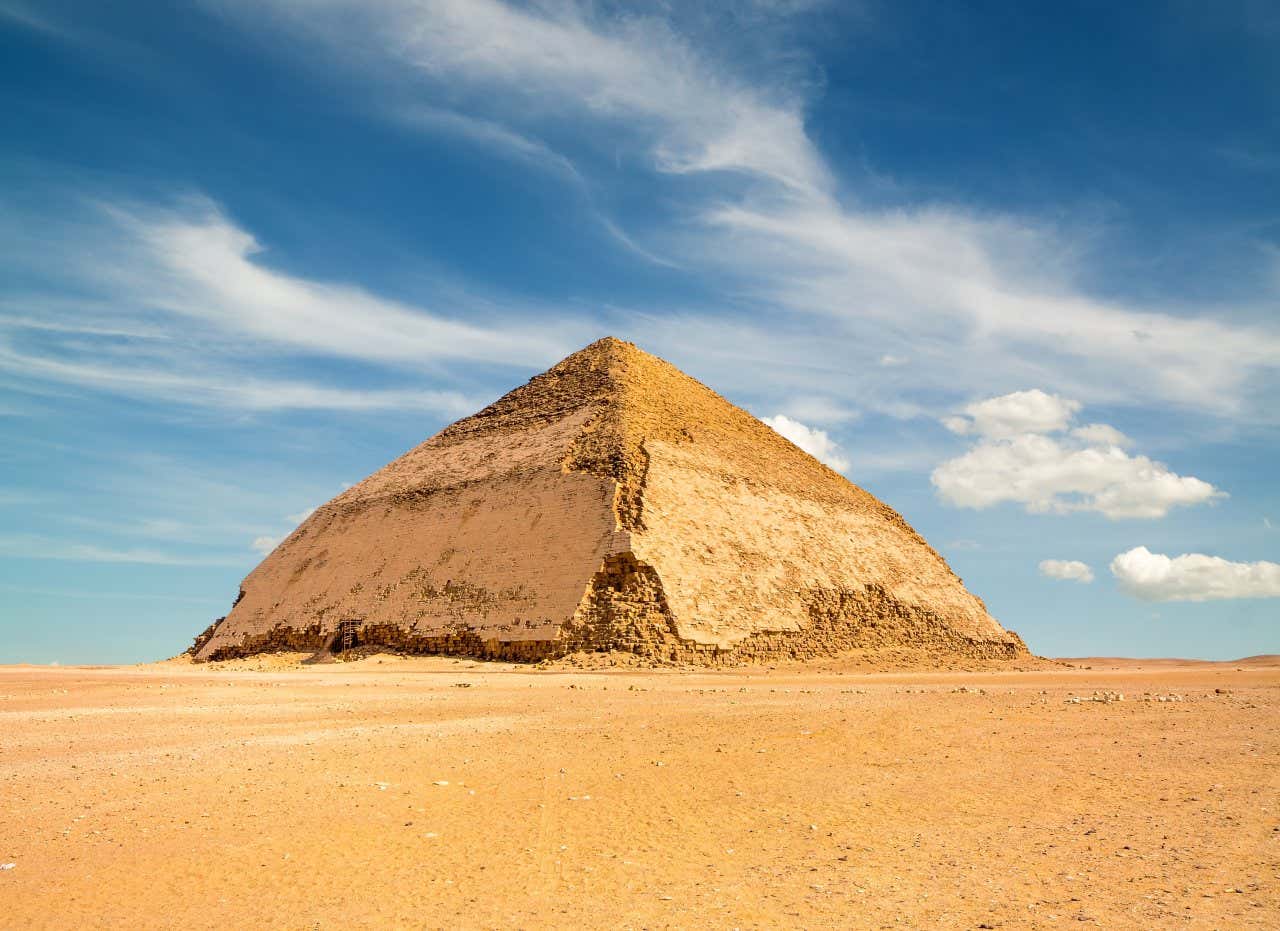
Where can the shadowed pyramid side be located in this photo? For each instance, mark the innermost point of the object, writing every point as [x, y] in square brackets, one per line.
[477, 541]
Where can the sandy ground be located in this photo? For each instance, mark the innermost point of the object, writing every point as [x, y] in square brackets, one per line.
[445, 794]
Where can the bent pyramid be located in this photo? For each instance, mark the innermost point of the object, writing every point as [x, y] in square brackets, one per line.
[612, 503]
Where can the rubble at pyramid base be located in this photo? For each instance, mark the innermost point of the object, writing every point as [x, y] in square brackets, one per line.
[626, 612]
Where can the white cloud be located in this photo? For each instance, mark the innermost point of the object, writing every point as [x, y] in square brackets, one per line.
[1048, 475]
[1193, 577]
[226, 388]
[813, 441]
[264, 544]
[956, 298]
[178, 510]
[1084, 470]
[22, 14]
[184, 310]
[150, 528]
[1032, 411]
[974, 298]
[930, 297]
[488, 134]
[1100, 434]
[633, 71]
[1067, 570]
[623, 237]
[194, 262]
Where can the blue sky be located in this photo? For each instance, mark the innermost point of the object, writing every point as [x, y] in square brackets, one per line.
[1015, 268]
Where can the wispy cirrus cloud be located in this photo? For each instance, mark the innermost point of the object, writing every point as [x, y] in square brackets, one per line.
[819, 409]
[175, 303]
[902, 310]
[637, 71]
[193, 261]
[495, 138]
[488, 134]
[30, 546]
[956, 298]
[975, 299]
[226, 389]
[99, 595]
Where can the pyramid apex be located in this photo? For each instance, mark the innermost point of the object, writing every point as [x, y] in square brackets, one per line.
[610, 345]
[618, 357]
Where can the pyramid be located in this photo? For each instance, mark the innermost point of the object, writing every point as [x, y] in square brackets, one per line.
[611, 503]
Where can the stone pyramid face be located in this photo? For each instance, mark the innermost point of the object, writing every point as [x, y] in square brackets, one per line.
[612, 503]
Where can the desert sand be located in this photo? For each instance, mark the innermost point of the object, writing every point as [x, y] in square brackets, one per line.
[444, 793]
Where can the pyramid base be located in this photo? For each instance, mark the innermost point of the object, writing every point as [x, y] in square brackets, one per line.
[625, 611]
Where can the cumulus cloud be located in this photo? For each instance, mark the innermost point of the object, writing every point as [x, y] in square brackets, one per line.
[1032, 411]
[1100, 434]
[1047, 469]
[1070, 570]
[1193, 577]
[813, 441]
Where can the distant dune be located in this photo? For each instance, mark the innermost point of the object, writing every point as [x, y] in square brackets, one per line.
[1261, 660]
